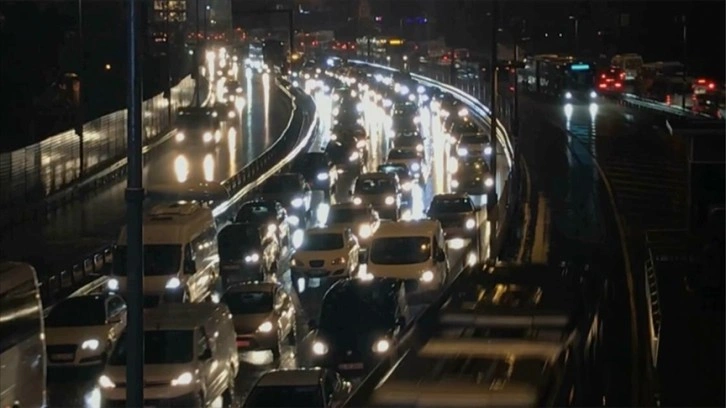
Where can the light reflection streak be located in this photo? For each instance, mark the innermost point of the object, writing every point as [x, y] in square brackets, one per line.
[232, 149]
[181, 168]
[266, 101]
[208, 166]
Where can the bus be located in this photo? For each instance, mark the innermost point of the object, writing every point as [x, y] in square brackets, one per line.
[560, 76]
[22, 337]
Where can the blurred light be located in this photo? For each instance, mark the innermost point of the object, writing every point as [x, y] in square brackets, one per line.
[181, 168]
[456, 243]
[593, 109]
[297, 238]
[208, 167]
[108, 67]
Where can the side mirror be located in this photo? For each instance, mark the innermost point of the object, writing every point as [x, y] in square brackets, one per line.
[190, 267]
[207, 355]
[401, 321]
[312, 324]
[440, 255]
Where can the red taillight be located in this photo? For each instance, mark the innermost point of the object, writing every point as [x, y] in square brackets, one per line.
[701, 81]
[711, 85]
[603, 86]
[602, 76]
[618, 84]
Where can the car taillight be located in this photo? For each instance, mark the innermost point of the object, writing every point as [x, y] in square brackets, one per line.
[618, 84]
[603, 86]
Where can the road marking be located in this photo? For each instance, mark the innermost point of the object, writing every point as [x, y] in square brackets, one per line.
[540, 248]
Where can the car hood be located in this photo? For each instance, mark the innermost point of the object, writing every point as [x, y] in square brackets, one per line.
[248, 323]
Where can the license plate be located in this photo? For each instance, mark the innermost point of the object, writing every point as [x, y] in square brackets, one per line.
[62, 356]
[351, 366]
[243, 343]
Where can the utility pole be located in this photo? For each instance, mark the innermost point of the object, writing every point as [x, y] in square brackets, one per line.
[168, 60]
[134, 201]
[80, 117]
[492, 199]
[685, 62]
[198, 57]
[518, 32]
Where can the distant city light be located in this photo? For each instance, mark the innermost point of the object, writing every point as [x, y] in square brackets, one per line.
[108, 67]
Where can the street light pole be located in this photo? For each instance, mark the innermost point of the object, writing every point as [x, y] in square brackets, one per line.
[492, 197]
[81, 78]
[685, 62]
[134, 201]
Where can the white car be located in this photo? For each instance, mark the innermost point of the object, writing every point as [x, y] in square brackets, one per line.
[415, 160]
[330, 253]
[363, 220]
[474, 145]
[81, 330]
[308, 387]
[413, 251]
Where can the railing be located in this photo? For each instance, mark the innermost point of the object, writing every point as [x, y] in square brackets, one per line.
[653, 305]
[303, 124]
[36, 174]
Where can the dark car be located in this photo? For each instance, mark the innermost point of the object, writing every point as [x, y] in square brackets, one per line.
[360, 323]
[293, 192]
[346, 155]
[300, 387]
[198, 126]
[405, 178]
[266, 213]
[411, 140]
[382, 191]
[319, 171]
[405, 117]
[247, 252]
[473, 176]
[456, 213]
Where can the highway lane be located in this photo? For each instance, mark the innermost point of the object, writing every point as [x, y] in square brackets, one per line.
[85, 225]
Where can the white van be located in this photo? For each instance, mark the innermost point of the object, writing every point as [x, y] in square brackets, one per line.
[181, 260]
[190, 358]
[414, 251]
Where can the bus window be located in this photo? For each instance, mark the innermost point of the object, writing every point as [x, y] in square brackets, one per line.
[22, 337]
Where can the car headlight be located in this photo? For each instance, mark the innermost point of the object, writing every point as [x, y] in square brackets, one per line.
[91, 344]
[593, 94]
[231, 114]
[353, 93]
[354, 156]
[463, 112]
[173, 283]
[207, 137]
[387, 103]
[320, 348]
[105, 382]
[489, 182]
[427, 276]
[365, 231]
[415, 167]
[470, 223]
[294, 220]
[452, 140]
[407, 186]
[404, 90]
[333, 136]
[568, 95]
[336, 98]
[416, 119]
[462, 151]
[390, 200]
[338, 261]
[357, 201]
[361, 144]
[455, 183]
[359, 107]
[488, 150]
[265, 327]
[420, 89]
[183, 379]
[239, 89]
[336, 111]
[179, 137]
[419, 148]
[323, 176]
[297, 202]
[112, 284]
[253, 258]
[382, 346]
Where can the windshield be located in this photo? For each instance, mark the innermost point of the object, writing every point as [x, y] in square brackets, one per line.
[407, 141]
[473, 167]
[374, 186]
[248, 302]
[281, 185]
[234, 239]
[78, 312]
[474, 138]
[580, 79]
[402, 154]
[347, 215]
[372, 306]
[451, 205]
[465, 127]
[159, 260]
[193, 121]
[322, 242]
[400, 250]
[255, 212]
[304, 396]
[160, 347]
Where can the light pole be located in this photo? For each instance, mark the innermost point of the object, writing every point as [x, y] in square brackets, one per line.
[81, 78]
[685, 61]
[577, 33]
[492, 198]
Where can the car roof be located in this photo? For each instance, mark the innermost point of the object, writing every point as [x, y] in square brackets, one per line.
[351, 206]
[450, 196]
[291, 377]
[407, 228]
[376, 175]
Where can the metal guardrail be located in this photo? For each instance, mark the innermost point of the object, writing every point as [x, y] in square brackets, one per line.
[89, 271]
[653, 305]
[644, 103]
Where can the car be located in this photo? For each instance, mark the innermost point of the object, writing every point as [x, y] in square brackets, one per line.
[408, 140]
[456, 213]
[360, 322]
[263, 315]
[355, 132]
[319, 171]
[381, 190]
[247, 252]
[474, 145]
[266, 213]
[301, 387]
[346, 155]
[363, 220]
[348, 114]
[81, 330]
[405, 117]
[293, 192]
[414, 251]
[198, 127]
[473, 176]
[190, 358]
[413, 159]
[326, 253]
[404, 177]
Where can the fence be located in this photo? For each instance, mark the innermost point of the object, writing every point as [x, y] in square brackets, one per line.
[33, 173]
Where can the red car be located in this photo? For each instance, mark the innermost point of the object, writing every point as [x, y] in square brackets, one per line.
[610, 81]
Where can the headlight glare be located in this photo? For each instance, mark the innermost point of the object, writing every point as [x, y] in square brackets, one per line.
[105, 382]
[319, 348]
[265, 327]
[427, 276]
[91, 344]
[390, 200]
[173, 283]
[297, 202]
[183, 379]
[470, 223]
[382, 346]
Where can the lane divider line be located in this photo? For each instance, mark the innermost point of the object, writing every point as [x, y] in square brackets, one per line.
[540, 247]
